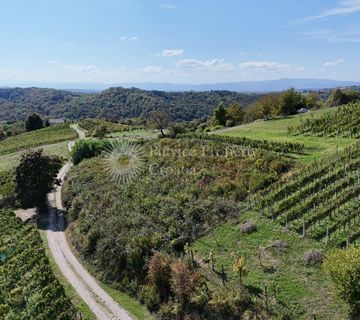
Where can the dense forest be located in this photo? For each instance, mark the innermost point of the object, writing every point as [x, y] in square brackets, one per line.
[114, 103]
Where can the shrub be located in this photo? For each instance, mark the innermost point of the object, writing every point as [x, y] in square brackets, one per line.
[248, 227]
[313, 257]
[343, 267]
[86, 149]
[225, 304]
[100, 131]
[159, 274]
[281, 245]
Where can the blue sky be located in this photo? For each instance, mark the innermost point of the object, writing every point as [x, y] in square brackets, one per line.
[179, 41]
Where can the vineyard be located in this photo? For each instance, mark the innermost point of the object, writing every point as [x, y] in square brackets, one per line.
[37, 138]
[322, 202]
[344, 122]
[274, 146]
[28, 288]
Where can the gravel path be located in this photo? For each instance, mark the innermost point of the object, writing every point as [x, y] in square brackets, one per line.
[100, 303]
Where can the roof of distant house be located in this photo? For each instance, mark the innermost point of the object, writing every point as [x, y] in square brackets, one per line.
[56, 121]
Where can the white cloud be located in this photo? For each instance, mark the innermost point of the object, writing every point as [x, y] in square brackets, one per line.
[214, 64]
[150, 69]
[331, 36]
[172, 52]
[267, 65]
[82, 68]
[344, 7]
[333, 63]
[8, 72]
[127, 38]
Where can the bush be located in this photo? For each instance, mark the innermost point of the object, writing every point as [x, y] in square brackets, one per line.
[86, 149]
[225, 304]
[313, 257]
[280, 245]
[177, 128]
[248, 227]
[100, 131]
[343, 267]
[159, 275]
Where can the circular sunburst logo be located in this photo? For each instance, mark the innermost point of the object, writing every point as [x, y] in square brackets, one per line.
[124, 161]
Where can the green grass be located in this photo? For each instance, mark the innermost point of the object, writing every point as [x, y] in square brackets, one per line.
[11, 160]
[137, 310]
[37, 138]
[303, 290]
[277, 130]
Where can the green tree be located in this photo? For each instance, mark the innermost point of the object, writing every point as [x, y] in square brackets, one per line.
[219, 116]
[336, 98]
[159, 120]
[343, 267]
[35, 176]
[290, 102]
[253, 112]
[235, 113]
[33, 122]
[339, 97]
[313, 101]
[268, 104]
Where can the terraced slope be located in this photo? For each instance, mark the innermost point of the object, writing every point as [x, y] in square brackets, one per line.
[28, 288]
[344, 122]
[37, 138]
[322, 202]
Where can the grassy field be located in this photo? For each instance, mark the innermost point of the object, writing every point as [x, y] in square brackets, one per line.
[303, 289]
[37, 138]
[277, 129]
[11, 160]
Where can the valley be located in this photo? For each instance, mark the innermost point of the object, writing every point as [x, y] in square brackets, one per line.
[187, 209]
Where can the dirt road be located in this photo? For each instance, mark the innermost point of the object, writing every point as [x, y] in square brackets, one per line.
[100, 303]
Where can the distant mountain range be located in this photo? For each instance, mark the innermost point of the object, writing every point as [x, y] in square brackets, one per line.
[242, 86]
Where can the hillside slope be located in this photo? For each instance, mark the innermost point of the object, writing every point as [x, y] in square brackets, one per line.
[28, 288]
[114, 103]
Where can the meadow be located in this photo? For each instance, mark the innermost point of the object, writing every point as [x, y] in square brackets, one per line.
[277, 130]
[274, 264]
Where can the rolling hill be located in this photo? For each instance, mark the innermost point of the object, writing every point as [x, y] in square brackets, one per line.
[113, 103]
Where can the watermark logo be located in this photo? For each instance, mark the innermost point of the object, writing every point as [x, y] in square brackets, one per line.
[124, 161]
